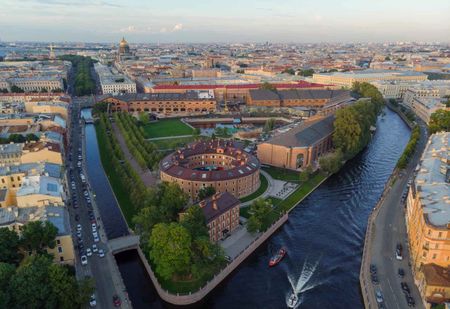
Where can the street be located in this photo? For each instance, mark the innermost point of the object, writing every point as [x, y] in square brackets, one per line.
[390, 230]
[82, 211]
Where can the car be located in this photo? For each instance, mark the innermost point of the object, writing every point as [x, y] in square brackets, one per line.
[79, 227]
[94, 227]
[80, 246]
[101, 253]
[373, 269]
[410, 301]
[86, 193]
[94, 248]
[401, 272]
[79, 234]
[116, 301]
[88, 252]
[374, 279]
[96, 239]
[398, 252]
[92, 301]
[77, 217]
[405, 288]
[84, 260]
[379, 296]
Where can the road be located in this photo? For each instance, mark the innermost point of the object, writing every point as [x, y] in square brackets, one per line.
[104, 270]
[389, 230]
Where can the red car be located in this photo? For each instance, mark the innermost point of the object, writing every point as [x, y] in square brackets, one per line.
[116, 301]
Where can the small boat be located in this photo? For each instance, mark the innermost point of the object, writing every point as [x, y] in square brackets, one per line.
[274, 260]
[293, 300]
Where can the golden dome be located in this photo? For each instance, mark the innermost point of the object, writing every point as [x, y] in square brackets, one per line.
[123, 43]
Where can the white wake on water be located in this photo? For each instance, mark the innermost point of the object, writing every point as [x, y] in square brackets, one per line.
[302, 284]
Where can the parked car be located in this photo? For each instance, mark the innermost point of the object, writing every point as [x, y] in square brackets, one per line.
[79, 227]
[410, 301]
[374, 278]
[401, 272]
[398, 252]
[379, 296]
[405, 288]
[94, 248]
[84, 260]
[88, 252]
[77, 217]
[96, 239]
[116, 301]
[93, 301]
[101, 253]
[373, 269]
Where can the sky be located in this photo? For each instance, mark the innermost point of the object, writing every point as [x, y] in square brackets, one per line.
[198, 21]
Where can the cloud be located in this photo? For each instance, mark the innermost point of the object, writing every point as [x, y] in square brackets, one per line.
[129, 29]
[177, 27]
[95, 3]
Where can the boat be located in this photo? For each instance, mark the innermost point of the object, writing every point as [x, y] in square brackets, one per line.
[293, 300]
[274, 260]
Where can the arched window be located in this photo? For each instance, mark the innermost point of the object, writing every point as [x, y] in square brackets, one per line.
[300, 158]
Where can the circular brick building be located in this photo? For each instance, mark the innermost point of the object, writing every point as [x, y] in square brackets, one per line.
[213, 163]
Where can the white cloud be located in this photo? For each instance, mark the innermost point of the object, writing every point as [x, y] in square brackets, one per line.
[129, 29]
[163, 30]
[177, 27]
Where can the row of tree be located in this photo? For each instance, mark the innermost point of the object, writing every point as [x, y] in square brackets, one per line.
[84, 82]
[259, 212]
[176, 239]
[29, 278]
[128, 177]
[410, 148]
[145, 153]
[18, 138]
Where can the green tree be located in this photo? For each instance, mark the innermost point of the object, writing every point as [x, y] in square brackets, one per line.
[306, 173]
[170, 250]
[144, 118]
[267, 86]
[331, 162]
[347, 132]
[290, 71]
[254, 225]
[206, 192]
[439, 121]
[16, 89]
[9, 246]
[259, 211]
[38, 235]
[6, 273]
[194, 221]
[269, 125]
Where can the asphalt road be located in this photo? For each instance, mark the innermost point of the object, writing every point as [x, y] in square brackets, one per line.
[101, 269]
[390, 229]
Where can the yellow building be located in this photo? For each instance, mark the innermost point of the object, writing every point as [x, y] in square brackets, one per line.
[14, 218]
[41, 152]
[428, 219]
[39, 191]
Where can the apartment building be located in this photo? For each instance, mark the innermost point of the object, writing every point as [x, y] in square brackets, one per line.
[424, 107]
[114, 83]
[428, 221]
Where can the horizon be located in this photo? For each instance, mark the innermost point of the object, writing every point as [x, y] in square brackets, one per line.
[85, 21]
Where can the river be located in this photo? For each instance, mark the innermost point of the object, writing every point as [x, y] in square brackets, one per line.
[324, 238]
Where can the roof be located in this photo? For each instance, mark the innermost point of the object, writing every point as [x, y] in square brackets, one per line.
[177, 164]
[223, 202]
[432, 181]
[299, 84]
[187, 96]
[306, 134]
[3, 193]
[40, 185]
[436, 275]
[296, 94]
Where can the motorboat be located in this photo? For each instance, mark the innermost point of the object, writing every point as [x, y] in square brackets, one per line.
[293, 300]
[274, 260]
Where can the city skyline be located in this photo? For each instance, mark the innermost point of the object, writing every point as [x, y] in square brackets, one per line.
[211, 21]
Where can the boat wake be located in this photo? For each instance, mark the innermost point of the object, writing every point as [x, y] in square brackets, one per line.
[302, 284]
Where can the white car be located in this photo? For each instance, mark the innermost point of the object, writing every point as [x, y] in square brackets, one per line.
[79, 228]
[94, 227]
[101, 253]
[88, 252]
[96, 239]
[84, 260]
[93, 301]
[94, 248]
[79, 234]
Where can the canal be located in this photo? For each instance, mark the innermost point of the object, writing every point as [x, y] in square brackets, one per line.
[324, 238]
[113, 221]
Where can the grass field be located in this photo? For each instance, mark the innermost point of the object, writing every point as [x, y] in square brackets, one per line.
[282, 174]
[173, 143]
[244, 211]
[167, 127]
[262, 188]
[120, 192]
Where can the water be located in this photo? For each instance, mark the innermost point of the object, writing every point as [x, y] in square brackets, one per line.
[324, 238]
[113, 221]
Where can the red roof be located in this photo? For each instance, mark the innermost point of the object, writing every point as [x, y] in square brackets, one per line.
[299, 84]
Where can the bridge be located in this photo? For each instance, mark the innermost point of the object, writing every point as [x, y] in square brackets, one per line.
[123, 243]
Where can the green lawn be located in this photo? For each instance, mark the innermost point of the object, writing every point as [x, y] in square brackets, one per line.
[300, 193]
[244, 211]
[262, 188]
[282, 174]
[120, 192]
[167, 127]
[173, 143]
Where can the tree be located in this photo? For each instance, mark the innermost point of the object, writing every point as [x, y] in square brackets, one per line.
[16, 89]
[194, 221]
[206, 192]
[253, 224]
[269, 125]
[170, 250]
[6, 273]
[259, 211]
[144, 118]
[439, 121]
[290, 71]
[9, 246]
[331, 162]
[196, 132]
[171, 200]
[38, 235]
[267, 86]
[347, 132]
[306, 173]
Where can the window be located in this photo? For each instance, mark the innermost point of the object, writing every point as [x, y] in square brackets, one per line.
[61, 259]
[58, 241]
[60, 250]
[434, 256]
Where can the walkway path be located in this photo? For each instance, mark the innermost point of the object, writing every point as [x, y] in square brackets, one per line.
[145, 174]
[168, 137]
